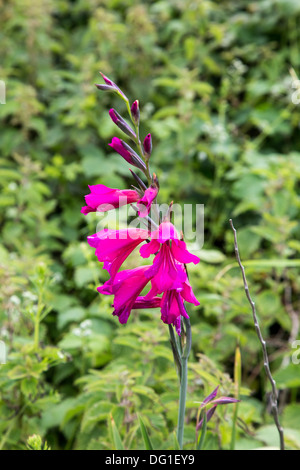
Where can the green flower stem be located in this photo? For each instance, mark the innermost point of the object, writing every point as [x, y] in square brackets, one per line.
[37, 321]
[175, 351]
[183, 382]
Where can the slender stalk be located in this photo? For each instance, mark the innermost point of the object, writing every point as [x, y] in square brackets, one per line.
[201, 439]
[237, 382]
[274, 394]
[175, 351]
[183, 382]
[37, 321]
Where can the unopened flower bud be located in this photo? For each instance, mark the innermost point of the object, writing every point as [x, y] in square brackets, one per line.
[121, 123]
[148, 145]
[135, 112]
[127, 153]
[111, 86]
[155, 180]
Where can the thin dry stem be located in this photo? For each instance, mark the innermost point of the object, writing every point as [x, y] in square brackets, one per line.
[274, 394]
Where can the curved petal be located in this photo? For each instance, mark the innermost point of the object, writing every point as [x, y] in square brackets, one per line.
[149, 248]
[181, 253]
[144, 204]
[166, 231]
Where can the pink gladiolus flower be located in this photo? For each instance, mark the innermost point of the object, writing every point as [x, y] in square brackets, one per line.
[143, 302]
[114, 246]
[102, 198]
[172, 304]
[167, 271]
[168, 274]
[144, 204]
[172, 308]
[126, 288]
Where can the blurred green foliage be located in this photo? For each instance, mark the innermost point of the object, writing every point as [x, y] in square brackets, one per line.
[214, 86]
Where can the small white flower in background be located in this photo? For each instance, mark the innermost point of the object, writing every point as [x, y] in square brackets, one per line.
[76, 332]
[12, 186]
[60, 354]
[86, 324]
[29, 296]
[15, 300]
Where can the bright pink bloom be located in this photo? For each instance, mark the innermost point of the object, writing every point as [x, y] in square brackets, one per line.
[172, 305]
[103, 199]
[143, 302]
[168, 274]
[172, 308]
[114, 246]
[144, 204]
[167, 271]
[126, 288]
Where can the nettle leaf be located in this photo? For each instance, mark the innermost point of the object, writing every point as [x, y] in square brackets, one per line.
[145, 391]
[288, 377]
[95, 413]
[211, 256]
[29, 387]
[75, 314]
[291, 416]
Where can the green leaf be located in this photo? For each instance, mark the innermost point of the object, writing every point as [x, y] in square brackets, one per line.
[75, 314]
[288, 377]
[201, 437]
[212, 256]
[29, 386]
[176, 443]
[145, 435]
[116, 436]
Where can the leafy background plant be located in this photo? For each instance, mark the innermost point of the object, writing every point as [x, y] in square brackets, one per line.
[215, 91]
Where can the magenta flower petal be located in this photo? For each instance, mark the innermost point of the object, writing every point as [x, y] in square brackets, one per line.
[143, 302]
[126, 288]
[102, 198]
[172, 309]
[149, 248]
[86, 210]
[165, 232]
[144, 204]
[166, 274]
[181, 253]
[114, 246]
[188, 294]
